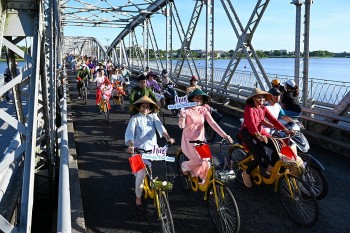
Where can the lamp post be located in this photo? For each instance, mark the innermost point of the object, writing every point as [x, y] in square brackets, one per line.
[107, 46]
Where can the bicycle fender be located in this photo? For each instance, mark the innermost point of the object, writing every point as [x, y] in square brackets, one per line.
[313, 161]
[280, 177]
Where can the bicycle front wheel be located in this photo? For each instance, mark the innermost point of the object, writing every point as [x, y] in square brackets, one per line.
[106, 111]
[164, 214]
[298, 200]
[84, 96]
[222, 208]
[121, 104]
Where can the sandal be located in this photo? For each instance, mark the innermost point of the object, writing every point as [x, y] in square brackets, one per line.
[246, 179]
[269, 170]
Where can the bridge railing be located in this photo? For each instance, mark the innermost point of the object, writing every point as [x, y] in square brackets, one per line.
[64, 204]
[324, 95]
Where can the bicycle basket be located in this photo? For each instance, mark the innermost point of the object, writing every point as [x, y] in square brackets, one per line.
[225, 176]
[162, 185]
[204, 151]
[295, 166]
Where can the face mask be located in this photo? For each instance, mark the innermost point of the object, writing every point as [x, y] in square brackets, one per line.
[195, 82]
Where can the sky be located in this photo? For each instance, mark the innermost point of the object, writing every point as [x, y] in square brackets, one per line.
[329, 26]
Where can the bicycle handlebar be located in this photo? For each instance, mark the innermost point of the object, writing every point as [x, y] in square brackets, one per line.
[198, 141]
[203, 142]
[140, 150]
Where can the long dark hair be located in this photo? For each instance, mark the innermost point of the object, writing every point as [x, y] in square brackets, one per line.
[250, 102]
[294, 89]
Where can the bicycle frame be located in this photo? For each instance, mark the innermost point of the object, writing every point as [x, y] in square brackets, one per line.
[256, 175]
[209, 180]
[103, 105]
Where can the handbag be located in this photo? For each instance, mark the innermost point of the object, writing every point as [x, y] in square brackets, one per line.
[204, 151]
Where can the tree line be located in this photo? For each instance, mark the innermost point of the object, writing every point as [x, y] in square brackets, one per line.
[200, 54]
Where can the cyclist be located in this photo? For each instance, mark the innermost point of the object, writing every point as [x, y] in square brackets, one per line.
[83, 75]
[165, 78]
[151, 83]
[290, 99]
[125, 73]
[106, 90]
[99, 80]
[192, 122]
[275, 108]
[277, 84]
[147, 70]
[116, 76]
[193, 85]
[139, 91]
[254, 136]
[141, 133]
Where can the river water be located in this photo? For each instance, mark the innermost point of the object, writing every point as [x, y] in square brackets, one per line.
[336, 69]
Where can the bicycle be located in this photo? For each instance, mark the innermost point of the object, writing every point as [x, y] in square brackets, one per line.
[157, 190]
[296, 196]
[118, 95]
[104, 107]
[222, 206]
[84, 90]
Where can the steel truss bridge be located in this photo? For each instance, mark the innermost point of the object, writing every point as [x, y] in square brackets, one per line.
[39, 111]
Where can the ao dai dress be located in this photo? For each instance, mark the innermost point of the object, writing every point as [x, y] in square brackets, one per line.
[193, 129]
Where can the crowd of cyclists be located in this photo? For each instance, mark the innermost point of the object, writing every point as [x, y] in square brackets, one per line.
[261, 112]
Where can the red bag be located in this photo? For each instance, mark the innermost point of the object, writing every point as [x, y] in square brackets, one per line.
[289, 151]
[204, 151]
[136, 163]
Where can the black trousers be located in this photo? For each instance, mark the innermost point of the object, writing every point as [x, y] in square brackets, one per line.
[259, 150]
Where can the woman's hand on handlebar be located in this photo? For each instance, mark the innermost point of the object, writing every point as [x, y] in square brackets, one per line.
[131, 149]
[229, 139]
[261, 138]
[289, 132]
[171, 141]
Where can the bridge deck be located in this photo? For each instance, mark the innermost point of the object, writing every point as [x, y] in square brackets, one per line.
[107, 183]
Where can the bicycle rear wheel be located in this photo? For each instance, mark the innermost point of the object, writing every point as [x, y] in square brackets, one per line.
[224, 214]
[106, 111]
[164, 214]
[298, 200]
[185, 183]
[236, 155]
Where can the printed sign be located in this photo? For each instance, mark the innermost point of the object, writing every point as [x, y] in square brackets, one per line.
[158, 153]
[159, 96]
[181, 102]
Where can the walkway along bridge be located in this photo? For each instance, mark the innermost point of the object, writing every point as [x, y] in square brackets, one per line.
[38, 115]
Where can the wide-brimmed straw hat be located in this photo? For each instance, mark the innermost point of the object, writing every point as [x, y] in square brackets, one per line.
[257, 91]
[146, 99]
[206, 97]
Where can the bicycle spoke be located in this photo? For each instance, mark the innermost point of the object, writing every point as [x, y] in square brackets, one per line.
[298, 201]
[225, 216]
[165, 214]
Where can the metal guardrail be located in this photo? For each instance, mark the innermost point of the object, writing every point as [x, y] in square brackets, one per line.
[64, 204]
[324, 94]
[321, 91]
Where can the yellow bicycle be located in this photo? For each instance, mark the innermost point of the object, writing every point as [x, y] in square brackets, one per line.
[296, 196]
[103, 106]
[222, 206]
[158, 191]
